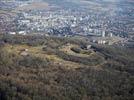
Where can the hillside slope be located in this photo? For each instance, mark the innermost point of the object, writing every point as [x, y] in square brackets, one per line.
[39, 68]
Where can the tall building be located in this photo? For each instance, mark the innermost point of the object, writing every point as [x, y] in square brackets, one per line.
[103, 33]
[111, 34]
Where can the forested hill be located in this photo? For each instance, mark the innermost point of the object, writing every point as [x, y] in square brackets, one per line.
[51, 68]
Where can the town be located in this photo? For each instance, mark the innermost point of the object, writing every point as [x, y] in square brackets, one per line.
[71, 22]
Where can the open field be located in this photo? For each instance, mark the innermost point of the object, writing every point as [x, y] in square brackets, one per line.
[38, 52]
[34, 6]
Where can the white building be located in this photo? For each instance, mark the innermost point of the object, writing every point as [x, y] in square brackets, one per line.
[12, 33]
[103, 33]
[111, 34]
[22, 32]
[101, 42]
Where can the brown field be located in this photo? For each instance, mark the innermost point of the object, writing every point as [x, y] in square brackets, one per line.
[38, 52]
[34, 5]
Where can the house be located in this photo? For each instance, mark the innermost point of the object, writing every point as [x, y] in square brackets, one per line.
[22, 32]
[101, 42]
[12, 33]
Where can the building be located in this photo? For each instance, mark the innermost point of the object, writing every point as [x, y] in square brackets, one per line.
[22, 32]
[111, 34]
[103, 33]
[12, 33]
[101, 42]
